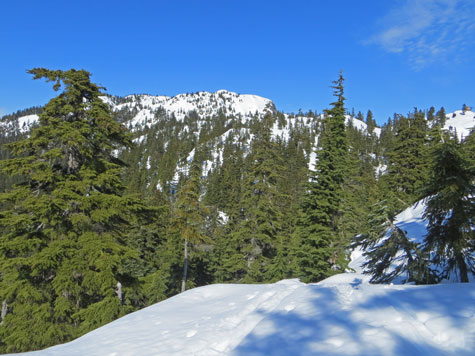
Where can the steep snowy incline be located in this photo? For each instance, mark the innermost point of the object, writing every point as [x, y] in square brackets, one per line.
[342, 315]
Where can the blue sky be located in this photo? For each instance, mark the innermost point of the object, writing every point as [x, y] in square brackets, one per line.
[396, 55]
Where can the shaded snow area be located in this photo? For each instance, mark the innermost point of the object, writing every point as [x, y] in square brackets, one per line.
[343, 315]
[411, 221]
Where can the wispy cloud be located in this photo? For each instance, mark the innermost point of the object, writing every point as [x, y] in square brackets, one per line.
[427, 31]
[3, 111]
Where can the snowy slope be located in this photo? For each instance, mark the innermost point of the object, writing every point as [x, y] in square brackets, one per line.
[460, 122]
[205, 104]
[360, 125]
[343, 315]
[21, 125]
[410, 220]
[415, 226]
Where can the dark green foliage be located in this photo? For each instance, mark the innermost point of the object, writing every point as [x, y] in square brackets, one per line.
[317, 230]
[63, 245]
[408, 161]
[259, 230]
[451, 210]
[70, 229]
[189, 214]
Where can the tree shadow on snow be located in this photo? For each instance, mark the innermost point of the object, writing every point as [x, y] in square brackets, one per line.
[331, 326]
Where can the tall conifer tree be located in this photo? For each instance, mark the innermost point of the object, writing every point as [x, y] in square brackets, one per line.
[317, 228]
[189, 215]
[451, 210]
[408, 161]
[63, 241]
[258, 235]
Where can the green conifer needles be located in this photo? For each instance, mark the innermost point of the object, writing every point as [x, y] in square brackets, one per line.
[63, 228]
[317, 228]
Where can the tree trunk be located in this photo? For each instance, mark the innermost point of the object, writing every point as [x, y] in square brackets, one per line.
[185, 267]
[462, 268]
[4, 311]
[118, 291]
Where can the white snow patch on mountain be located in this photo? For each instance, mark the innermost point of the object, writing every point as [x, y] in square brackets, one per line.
[361, 126]
[460, 122]
[21, 125]
[205, 104]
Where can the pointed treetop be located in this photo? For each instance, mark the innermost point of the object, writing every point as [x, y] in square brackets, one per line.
[338, 87]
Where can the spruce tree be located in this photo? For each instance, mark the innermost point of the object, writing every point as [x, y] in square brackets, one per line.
[63, 247]
[450, 211]
[317, 230]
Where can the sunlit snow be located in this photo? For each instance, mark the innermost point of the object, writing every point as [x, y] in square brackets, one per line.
[342, 315]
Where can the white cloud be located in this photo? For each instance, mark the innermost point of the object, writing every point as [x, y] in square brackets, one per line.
[3, 111]
[427, 31]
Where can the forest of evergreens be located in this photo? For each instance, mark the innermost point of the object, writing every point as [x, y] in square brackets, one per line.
[96, 223]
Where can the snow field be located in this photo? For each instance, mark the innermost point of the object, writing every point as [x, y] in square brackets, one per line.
[342, 315]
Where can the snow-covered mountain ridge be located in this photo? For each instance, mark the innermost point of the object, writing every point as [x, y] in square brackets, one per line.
[144, 108]
[205, 104]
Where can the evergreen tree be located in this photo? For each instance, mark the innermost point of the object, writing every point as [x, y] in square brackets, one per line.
[188, 216]
[370, 122]
[408, 161]
[390, 254]
[63, 250]
[431, 114]
[317, 230]
[450, 210]
[441, 117]
[257, 237]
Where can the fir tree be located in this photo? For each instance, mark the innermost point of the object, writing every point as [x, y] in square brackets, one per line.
[390, 254]
[370, 122]
[317, 229]
[63, 247]
[441, 117]
[408, 161]
[450, 212]
[258, 233]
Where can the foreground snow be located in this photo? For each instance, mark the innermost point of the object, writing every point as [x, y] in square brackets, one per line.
[343, 315]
